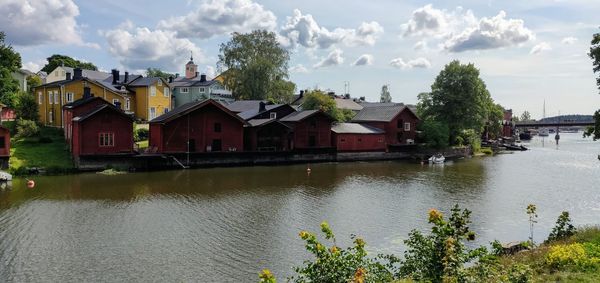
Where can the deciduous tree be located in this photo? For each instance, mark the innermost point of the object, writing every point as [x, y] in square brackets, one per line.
[526, 116]
[385, 95]
[595, 55]
[10, 61]
[59, 60]
[318, 100]
[155, 72]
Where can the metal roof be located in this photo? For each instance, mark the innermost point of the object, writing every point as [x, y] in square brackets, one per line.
[355, 128]
[299, 116]
[379, 113]
[244, 105]
[192, 106]
[345, 103]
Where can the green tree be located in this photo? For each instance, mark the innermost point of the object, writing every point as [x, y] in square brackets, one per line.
[27, 107]
[59, 60]
[280, 91]
[458, 98]
[494, 124]
[33, 81]
[10, 61]
[385, 95]
[595, 55]
[318, 100]
[155, 72]
[526, 116]
[255, 63]
[434, 134]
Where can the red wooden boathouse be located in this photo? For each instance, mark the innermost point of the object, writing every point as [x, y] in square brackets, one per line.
[357, 137]
[312, 129]
[398, 121]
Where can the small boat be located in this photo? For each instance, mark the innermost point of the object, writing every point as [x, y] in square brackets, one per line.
[525, 136]
[543, 132]
[4, 177]
[437, 159]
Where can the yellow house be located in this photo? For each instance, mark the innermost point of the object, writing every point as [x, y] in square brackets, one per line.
[152, 96]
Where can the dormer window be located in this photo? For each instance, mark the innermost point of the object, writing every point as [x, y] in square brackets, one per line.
[159, 82]
[273, 115]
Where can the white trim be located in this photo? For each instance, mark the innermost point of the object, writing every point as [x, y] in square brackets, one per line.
[40, 98]
[152, 90]
[166, 92]
[185, 90]
[407, 126]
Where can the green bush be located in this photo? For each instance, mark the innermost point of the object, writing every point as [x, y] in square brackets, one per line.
[44, 139]
[434, 134]
[563, 229]
[27, 128]
[140, 134]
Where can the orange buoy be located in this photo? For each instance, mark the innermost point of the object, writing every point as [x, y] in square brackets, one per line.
[30, 184]
[308, 170]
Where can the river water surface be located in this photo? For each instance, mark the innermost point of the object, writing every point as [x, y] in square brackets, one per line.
[226, 224]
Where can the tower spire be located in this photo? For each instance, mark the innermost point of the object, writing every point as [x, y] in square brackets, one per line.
[191, 56]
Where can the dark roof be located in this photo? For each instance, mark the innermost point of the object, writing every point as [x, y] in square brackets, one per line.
[90, 74]
[255, 112]
[244, 105]
[263, 122]
[98, 110]
[146, 81]
[301, 115]
[379, 113]
[355, 128]
[192, 106]
[81, 101]
[195, 81]
[365, 104]
[58, 83]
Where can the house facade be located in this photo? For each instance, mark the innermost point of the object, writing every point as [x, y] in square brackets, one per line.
[200, 126]
[311, 129]
[196, 87]
[75, 109]
[152, 97]
[21, 76]
[398, 122]
[357, 137]
[264, 131]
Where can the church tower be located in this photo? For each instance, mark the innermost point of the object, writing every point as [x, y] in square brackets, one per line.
[190, 68]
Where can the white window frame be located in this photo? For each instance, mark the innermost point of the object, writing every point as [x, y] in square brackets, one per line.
[159, 82]
[151, 114]
[70, 97]
[166, 92]
[127, 104]
[56, 101]
[201, 89]
[273, 115]
[115, 100]
[407, 126]
[152, 90]
[185, 90]
[50, 97]
[40, 98]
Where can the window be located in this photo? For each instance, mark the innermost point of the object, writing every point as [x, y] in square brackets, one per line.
[2, 142]
[406, 126]
[152, 113]
[201, 89]
[185, 90]
[50, 120]
[273, 115]
[106, 139]
[56, 74]
[166, 92]
[115, 102]
[127, 104]
[217, 127]
[40, 98]
[56, 101]
[159, 83]
[50, 98]
[152, 91]
[400, 124]
[69, 97]
[166, 110]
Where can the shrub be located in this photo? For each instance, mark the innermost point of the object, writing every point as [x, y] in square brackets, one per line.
[140, 134]
[563, 229]
[27, 107]
[44, 139]
[520, 273]
[27, 128]
[577, 255]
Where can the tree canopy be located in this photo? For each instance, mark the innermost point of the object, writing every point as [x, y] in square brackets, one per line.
[58, 60]
[526, 116]
[318, 100]
[595, 56]
[256, 66]
[155, 72]
[386, 97]
[459, 100]
[10, 61]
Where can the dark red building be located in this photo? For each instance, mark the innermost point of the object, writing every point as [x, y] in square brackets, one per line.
[103, 130]
[264, 132]
[398, 121]
[311, 129]
[4, 147]
[199, 126]
[357, 137]
[77, 108]
[507, 123]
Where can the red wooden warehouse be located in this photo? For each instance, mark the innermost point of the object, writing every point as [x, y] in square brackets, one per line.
[199, 126]
[103, 130]
[4, 147]
[312, 129]
[357, 137]
[398, 121]
[77, 108]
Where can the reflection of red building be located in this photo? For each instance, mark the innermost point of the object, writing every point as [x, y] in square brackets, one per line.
[4, 147]
[507, 123]
[199, 126]
[357, 137]
[312, 129]
[398, 121]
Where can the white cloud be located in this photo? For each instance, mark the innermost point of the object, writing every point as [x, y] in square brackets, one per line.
[141, 48]
[426, 20]
[363, 60]
[415, 63]
[299, 69]
[210, 72]
[333, 59]
[36, 22]
[215, 17]
[304, 30]
[569, 40]
[34, 66]
[490, 33]
[541, 47]
[420, 45]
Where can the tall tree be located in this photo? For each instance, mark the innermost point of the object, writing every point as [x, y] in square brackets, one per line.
[158, 73]
[385, 95]
[58, 60]
[318, 100]
[595, 55]
[10, 61]
[458, 99]
[255, 63]
[526, 116]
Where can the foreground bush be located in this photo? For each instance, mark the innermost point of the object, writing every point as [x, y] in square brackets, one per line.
[26, 128]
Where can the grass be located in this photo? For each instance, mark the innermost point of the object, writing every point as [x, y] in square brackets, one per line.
[30, 152]
[142, 144]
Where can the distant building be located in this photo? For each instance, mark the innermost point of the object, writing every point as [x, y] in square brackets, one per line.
[196, 87]
[507, 123]
[21, 76]
[60, 74]
[357, 137]
[264, 131]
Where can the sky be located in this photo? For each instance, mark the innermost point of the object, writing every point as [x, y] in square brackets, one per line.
[527, 52]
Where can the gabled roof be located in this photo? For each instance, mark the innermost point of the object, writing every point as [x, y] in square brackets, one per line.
[107, 84]
[264, 122]
[346, 103]
[366, 104]
[195, 81]
[146, 81]
[82, 101]
[355, 128]
[246, 115]
[301, 115]
[244, 105]
[190, 107]
[99, 109]
[90, 74]
[380, 113]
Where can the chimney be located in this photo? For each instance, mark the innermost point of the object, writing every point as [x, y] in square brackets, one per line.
[77, 73]
[202, 78]
[115, 76]
[197, 73]
[301, 93]
[87, 92]
[68, 76]
[170, 79]
[262, 107]
[126, 79]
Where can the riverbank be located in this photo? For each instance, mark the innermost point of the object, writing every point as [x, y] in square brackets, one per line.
[46, 152]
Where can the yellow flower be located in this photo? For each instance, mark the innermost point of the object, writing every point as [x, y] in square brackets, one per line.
[435, 215]
[359, 275]
[304, 235]
[266, 276]
[334, 250]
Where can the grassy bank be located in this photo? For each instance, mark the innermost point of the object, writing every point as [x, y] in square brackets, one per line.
[47, 151]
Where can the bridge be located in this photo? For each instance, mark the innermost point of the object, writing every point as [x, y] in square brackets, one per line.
[564, 123]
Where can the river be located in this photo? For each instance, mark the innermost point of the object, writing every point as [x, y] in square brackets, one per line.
[227, 224]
